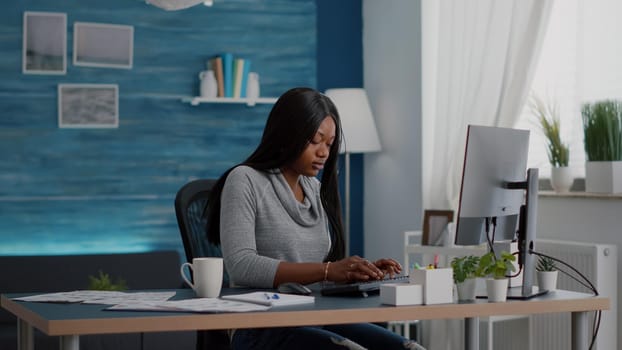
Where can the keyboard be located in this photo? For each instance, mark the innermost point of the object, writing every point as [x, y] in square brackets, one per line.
[359, 288]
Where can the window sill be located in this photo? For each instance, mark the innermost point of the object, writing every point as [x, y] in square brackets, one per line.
[577, 191]
[580, 194]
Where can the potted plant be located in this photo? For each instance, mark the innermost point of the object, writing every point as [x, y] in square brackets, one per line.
[496, 268]
[558, 152]
[465, 274]
[602, 128]
[547, 273]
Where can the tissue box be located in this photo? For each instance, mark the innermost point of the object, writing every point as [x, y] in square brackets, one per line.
[401, 294]
[437, 284]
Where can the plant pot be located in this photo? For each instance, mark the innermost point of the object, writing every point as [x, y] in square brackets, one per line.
[497, 289]
[466, 289]
[603, 177]
[561, 179]
[547, 280]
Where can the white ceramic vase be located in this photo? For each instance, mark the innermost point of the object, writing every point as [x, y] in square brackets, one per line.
[547, 280]
[252, 88]
[561, 179]
[497, 289]
[209, 86]
[603, 177]
[466, 289]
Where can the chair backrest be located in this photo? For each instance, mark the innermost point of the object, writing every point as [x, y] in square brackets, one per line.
[190, 204]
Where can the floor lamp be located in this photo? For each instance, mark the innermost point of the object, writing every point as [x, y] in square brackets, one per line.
[359, 135]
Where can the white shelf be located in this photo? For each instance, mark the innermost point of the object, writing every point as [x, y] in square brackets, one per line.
[249, 102]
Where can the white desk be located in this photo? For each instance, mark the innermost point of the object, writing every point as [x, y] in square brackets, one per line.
[69, 321]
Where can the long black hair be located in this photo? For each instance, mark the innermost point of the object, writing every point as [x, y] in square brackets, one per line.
[292, 123]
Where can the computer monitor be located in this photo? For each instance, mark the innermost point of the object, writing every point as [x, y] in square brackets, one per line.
[498, 194]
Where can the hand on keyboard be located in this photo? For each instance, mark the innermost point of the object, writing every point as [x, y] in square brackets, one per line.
[355, 268]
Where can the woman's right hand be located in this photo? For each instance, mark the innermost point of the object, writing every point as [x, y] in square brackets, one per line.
[354, 268]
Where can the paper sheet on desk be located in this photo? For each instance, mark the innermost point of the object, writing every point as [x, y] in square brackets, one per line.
[204, 305]
[271, 299]
[98, 297]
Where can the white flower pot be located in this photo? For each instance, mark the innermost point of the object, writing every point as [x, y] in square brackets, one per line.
[497, 289]
[603, 177]
[561, 179]
[466, 289]
[547, 280]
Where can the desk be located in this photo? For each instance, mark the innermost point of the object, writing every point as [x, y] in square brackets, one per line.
[69, 321]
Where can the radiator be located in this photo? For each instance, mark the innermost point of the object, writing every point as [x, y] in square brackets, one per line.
[598, 262]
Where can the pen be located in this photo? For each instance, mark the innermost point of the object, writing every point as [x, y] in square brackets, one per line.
[270, 297]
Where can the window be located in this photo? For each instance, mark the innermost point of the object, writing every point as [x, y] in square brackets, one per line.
[579, 62]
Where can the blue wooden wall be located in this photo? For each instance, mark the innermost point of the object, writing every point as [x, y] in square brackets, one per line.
[66, 191]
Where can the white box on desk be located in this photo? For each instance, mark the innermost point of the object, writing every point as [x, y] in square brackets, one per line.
[401, 294]
[437, 284]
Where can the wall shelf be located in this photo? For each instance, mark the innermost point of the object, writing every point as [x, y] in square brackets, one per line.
[194, 101]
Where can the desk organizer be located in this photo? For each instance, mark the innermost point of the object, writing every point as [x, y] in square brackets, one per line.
[437, 284]
[401, 294]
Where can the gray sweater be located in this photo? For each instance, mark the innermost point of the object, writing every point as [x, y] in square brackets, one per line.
[262, 223]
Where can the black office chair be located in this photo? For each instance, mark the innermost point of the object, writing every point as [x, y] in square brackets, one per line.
[190, 204]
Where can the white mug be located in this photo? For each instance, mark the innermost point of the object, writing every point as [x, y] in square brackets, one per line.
[207, 273]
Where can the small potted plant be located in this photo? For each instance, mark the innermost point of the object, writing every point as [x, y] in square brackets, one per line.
[497, 269]
[547, 273]
[558, 152]
[602, 128]
[465, 274]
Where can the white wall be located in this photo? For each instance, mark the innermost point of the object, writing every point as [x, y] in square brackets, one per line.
[392, 77]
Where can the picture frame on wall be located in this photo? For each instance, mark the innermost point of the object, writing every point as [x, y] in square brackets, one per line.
[435, 226]
[103, 45]
[88, 106]
[44, 43]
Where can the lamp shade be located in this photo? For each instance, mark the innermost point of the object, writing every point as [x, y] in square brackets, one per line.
[359, 128]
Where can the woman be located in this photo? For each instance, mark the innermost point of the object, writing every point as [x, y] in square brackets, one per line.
[277, 223]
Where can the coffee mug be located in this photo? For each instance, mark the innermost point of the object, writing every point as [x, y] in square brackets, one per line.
[207, 276]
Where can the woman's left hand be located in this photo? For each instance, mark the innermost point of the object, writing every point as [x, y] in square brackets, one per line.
[388, 266]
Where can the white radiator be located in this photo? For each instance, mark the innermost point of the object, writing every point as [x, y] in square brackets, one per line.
[598, 262]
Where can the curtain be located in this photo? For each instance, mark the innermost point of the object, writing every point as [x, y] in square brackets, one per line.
[479, 57]
[484, 61]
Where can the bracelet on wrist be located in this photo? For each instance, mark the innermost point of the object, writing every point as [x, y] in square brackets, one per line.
[326, 271]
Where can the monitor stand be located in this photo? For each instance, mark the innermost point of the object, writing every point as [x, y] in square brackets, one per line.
[517, 293]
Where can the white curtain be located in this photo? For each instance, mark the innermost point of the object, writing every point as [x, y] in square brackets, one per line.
[480, 72]
[478, 60]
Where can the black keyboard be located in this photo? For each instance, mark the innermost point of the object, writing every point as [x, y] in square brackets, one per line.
[359, 288]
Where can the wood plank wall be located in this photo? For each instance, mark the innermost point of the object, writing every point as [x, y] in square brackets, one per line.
[69, 191]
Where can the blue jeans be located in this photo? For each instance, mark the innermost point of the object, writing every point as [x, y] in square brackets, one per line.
[338, 337]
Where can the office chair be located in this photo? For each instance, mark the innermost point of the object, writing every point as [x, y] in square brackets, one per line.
[190, 203]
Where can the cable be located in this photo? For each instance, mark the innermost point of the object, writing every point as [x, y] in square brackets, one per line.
[589, 285]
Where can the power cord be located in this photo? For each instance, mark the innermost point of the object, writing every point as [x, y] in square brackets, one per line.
[587, 284]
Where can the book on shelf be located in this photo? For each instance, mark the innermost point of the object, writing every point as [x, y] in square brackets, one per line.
[238, 71]
[245, 71]
[227, 67]
[215, 64]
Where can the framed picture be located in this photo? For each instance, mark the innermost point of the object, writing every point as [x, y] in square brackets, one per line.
[103, 45]
[88, 106]
[44, 43]
[435, 224]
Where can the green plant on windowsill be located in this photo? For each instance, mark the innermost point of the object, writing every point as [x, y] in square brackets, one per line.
[497, 268]
[548, 117]
[546, 264]
[602, 127]
[104, 282]
[464, 267]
